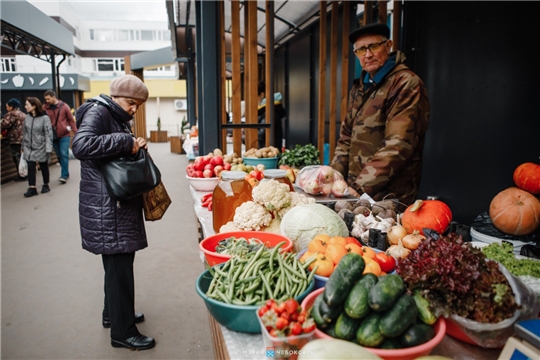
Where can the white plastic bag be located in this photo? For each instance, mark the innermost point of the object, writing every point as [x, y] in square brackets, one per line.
[23, 166]
[322, 180]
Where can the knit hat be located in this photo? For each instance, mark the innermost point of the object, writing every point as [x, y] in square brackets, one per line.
[129, 86]
[14, 103]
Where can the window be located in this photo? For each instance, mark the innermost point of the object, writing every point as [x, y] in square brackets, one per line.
[8, 65]
[129, 35]
[108, 64]
[147, 35]
[123, 35]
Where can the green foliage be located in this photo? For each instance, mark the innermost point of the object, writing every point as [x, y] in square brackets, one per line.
[301, 156]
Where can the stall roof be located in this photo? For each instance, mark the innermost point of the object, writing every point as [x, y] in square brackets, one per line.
[28, 31]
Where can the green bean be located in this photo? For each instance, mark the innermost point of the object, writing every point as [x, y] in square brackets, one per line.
[247, 302]
[252, 260]
[224, 297]
[312, 273]
[235, 277]
[276, 289]
[273, 254]
[299, 274]
[260, 291]
[253, 287]
[220, 272]
[288, 287]
[266, 283]
[308, 262]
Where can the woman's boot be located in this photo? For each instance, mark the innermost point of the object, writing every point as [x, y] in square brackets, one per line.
[31, 192]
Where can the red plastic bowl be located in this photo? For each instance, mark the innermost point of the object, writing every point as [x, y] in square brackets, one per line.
[208, 245]
[397, 354]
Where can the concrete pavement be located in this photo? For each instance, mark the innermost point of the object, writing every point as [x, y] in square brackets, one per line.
[52, 289]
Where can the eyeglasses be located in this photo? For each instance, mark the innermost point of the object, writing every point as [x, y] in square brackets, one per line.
[372, 47]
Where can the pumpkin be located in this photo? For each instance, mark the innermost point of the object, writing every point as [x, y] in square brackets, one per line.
[515, 211]
[426, 214]
[527, 177]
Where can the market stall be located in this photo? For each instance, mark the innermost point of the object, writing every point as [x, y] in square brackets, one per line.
[241, 345]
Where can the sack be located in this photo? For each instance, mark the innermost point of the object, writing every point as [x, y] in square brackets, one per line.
[54, 133]
[128, 177]
[322, 180]
[156, 202]
[23, 166]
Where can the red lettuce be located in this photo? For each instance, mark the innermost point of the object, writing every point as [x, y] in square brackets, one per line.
[457, 278]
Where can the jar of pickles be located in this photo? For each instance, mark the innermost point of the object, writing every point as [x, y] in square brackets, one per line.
[231, 192]
[278, 175]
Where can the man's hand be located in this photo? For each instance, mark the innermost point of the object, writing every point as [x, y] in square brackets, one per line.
[138, 143]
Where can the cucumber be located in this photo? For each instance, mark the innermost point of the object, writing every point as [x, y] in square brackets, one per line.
[346, 327]
[331, 329]
[316, 315]
[369, 280]
[345, 275]
[417, 334]
[403, 314]
[369, 333]
[391, 343]
[329, 313]
[424, 314]
[386, 292]
[356, 305]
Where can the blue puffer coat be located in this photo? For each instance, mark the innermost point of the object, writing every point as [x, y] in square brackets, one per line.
[107, 227]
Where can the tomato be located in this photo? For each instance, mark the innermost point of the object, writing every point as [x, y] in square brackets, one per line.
[323, 237]
[368, 252]
[353, 248]
[262, 311]
[308, 325]
[281, 323]
[353, 240]
[336, 251]
[326, 266]
[317, 245]
[306, 256]
[387, 262]
[373, 267]
[337, 240]
[296, 328]
[291, 306]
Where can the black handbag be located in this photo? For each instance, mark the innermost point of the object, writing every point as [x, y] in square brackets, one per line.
[127, 177]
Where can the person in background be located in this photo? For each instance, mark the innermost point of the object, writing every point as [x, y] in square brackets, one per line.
[13, 122]
[279, 115]
[379, 151]
[62, 120]
[37, 144]
[114, 230]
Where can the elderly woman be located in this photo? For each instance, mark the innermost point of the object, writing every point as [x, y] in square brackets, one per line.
[110, 229]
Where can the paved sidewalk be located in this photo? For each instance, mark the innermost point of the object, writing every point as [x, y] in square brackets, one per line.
[52, 289]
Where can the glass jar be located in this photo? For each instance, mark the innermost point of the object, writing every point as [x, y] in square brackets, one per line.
[231, 192]
[278, 175]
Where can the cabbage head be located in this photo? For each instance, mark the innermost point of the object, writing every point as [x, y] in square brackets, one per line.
[303, 222]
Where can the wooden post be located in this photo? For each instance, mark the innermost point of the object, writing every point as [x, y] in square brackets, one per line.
[223, 76]
[269, 75]
[333, 79]
[396, 24]
[236, 80]
[251, 89]
[322, 80]
[368, 11]
[345, 50]
[382, 11]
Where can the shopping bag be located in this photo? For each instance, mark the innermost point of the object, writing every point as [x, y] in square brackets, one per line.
[156, 202]
[23, 166]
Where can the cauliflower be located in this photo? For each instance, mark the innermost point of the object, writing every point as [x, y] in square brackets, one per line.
[272, 194]
[274, 226]
[228, 227]
[251, 216]
[296, 199]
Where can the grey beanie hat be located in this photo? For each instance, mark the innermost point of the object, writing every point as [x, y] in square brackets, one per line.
[129, 86]
[14, 102]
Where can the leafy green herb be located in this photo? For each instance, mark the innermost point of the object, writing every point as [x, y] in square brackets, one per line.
[301, 156]
[457, 278]
[504, 253]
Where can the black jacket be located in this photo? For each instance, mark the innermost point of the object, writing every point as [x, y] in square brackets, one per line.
[279, 115]
[107, 227]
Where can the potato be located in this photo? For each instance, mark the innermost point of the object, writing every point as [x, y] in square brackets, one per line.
[218, 152]
[258, 154]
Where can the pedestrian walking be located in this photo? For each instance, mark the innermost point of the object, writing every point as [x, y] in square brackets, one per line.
[37, 144]
[114, 230]
[63, 124]
[13, 122]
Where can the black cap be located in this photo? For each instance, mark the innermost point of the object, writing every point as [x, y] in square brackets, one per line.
[14, 103]
[371, 29]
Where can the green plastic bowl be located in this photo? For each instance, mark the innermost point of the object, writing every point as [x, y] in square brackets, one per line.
[269, 163]
[235, 317]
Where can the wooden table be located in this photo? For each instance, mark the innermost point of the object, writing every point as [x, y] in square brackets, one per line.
[227, 342]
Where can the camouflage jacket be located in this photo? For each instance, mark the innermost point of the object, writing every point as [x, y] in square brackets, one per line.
[379, 151]
[14, 123]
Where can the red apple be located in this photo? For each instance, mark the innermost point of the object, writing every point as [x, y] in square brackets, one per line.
[256, 174]
[208, 173]
[218, 169]
[217, 160]
[226, 166]
[198, 174]
[209, 167]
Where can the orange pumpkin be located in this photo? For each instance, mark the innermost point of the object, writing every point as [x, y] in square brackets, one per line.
[515, 211]
[527, 177]
[426, 214]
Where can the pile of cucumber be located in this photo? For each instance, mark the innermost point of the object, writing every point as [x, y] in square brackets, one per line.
[371, 311]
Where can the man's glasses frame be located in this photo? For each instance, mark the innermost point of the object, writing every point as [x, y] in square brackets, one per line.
[372, 47]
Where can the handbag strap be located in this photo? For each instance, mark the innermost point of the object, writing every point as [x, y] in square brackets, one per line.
[59, 107]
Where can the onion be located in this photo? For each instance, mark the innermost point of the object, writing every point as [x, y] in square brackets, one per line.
[398, 251]
[396, 233]
[412, 241]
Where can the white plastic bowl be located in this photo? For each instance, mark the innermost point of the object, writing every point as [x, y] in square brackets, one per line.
[203, 184]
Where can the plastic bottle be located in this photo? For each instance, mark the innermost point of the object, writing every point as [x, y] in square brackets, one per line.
[231, 192]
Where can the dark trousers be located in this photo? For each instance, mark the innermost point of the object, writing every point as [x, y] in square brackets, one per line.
[16, 155]
[44, 167]
[120, 295]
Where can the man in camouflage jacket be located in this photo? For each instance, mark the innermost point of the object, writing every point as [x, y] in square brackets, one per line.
[379, 151]
[13, 122]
